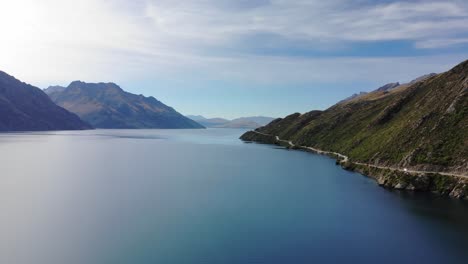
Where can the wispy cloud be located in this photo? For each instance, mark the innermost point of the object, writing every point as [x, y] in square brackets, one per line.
[60, 40]
[207, 22]
[441, 43]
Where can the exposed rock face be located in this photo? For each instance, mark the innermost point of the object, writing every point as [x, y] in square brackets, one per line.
[422, 127]
[24, 107]
[106, 105]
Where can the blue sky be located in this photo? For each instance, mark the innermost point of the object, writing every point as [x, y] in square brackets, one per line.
[233, 58]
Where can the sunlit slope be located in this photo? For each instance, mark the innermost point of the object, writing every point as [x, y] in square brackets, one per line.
[423, 125]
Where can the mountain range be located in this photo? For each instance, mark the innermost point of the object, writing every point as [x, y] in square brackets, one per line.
[24, 107]
[419, 126]
[387, 88]
[106, 105]
[242, 122]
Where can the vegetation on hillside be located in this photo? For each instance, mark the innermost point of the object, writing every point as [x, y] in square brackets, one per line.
[422, 125]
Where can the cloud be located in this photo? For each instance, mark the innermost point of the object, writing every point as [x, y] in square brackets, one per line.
[441, 43]
[97, 40]
[312, 20]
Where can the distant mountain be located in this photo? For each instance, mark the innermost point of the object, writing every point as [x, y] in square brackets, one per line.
[24, 107]
[381, 91]
[387, 87]
[208, 122]
[422, 78]
[106, 105]
[420, 126]
[242, 122]
[261, 120]
[353, 96]
[54, 89]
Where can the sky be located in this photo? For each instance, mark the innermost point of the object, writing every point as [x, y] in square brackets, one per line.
[233, 58]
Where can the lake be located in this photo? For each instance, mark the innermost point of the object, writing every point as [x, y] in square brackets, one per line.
[203, 196]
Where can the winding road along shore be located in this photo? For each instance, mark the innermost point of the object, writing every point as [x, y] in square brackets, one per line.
[345, 159]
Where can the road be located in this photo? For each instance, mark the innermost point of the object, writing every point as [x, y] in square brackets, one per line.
[345, 158]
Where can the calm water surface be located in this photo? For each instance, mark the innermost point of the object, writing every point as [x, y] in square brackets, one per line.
[203, 196]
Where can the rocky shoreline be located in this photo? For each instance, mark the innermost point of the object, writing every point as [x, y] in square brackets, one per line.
[455, 187]
[443, 185]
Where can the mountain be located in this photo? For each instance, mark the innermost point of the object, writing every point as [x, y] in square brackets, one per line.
[261, 120]
[420, 126]
[54, 89]
[387, 88]
[24, 107]
[422, 78]
[242, 122]
[353, 96]
[208, 122]
[106, 105]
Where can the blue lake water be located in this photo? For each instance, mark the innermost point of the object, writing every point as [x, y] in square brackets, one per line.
[203, 196]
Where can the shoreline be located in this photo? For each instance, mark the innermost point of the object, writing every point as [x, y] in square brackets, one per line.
[439, 183]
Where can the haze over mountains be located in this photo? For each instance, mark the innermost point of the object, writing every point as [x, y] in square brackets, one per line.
[24, 107]
[242, 122]
[106, 105]
[95, 105]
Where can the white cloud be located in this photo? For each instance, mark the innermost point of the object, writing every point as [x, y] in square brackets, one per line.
[440, 43]
[97, 40]
[335, 20]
